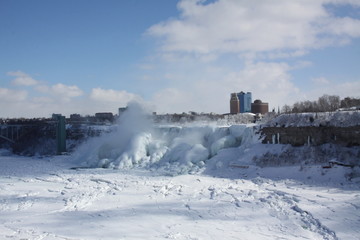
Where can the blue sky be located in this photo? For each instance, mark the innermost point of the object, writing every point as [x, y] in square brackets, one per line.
[173, 55]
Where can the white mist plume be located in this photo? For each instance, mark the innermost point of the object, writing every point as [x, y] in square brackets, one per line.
[136, 142]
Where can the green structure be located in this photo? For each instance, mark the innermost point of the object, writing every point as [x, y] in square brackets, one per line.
[60, 133]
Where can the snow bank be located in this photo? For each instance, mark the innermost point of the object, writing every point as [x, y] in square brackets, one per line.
[5, 152]
[137, 142]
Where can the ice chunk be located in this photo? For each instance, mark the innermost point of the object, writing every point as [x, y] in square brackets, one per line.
[225, 142]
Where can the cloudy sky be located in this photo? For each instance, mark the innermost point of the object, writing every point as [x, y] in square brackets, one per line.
[89, 56]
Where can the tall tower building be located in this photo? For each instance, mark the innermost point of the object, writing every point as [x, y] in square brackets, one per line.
[234, 104]
[245, 101]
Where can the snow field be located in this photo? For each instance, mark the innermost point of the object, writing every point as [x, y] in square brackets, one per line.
[55, 202]
[142, 181]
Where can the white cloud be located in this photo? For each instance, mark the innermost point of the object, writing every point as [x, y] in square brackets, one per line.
[275, 55]
[9, 95]
[301, 65]
[62, 99]
[212, 49]
[210, 92]
[320, 80]
[61, 91]
[225, 46]
[43, 88]
[13, 102]
[22, 79]
[342, 2]
[66, 92]
[173, 100]
[239, 26]
[347, 89]
[42, 99]
[343, 89]
[270, 82]
[110, 95]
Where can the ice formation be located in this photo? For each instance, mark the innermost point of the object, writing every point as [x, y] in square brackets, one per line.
[138, 143]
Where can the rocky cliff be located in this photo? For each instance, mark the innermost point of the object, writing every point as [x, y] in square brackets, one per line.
[314, 136]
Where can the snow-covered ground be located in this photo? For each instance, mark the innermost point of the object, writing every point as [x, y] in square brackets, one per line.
[43, 198]
[179, 182]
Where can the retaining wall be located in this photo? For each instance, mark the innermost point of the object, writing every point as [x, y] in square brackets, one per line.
[314, 136]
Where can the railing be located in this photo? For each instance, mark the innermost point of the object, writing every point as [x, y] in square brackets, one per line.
[14, 132]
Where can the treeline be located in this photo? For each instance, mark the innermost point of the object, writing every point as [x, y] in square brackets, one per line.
[325, 103]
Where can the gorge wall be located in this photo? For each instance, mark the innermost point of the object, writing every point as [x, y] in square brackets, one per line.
[311, 135]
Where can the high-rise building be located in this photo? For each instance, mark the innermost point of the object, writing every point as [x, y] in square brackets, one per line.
[234, 104]
[245, 101]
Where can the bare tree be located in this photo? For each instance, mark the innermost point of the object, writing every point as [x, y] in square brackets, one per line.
[286, 109]
[308, 106]
[350, 102]
[334, 102]
[325, 103]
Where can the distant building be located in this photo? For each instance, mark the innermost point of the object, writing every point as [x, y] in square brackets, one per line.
[259, 107]
[245, 101]
[105, 116]
[55, 115]
[75, 116]
[234, 104]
